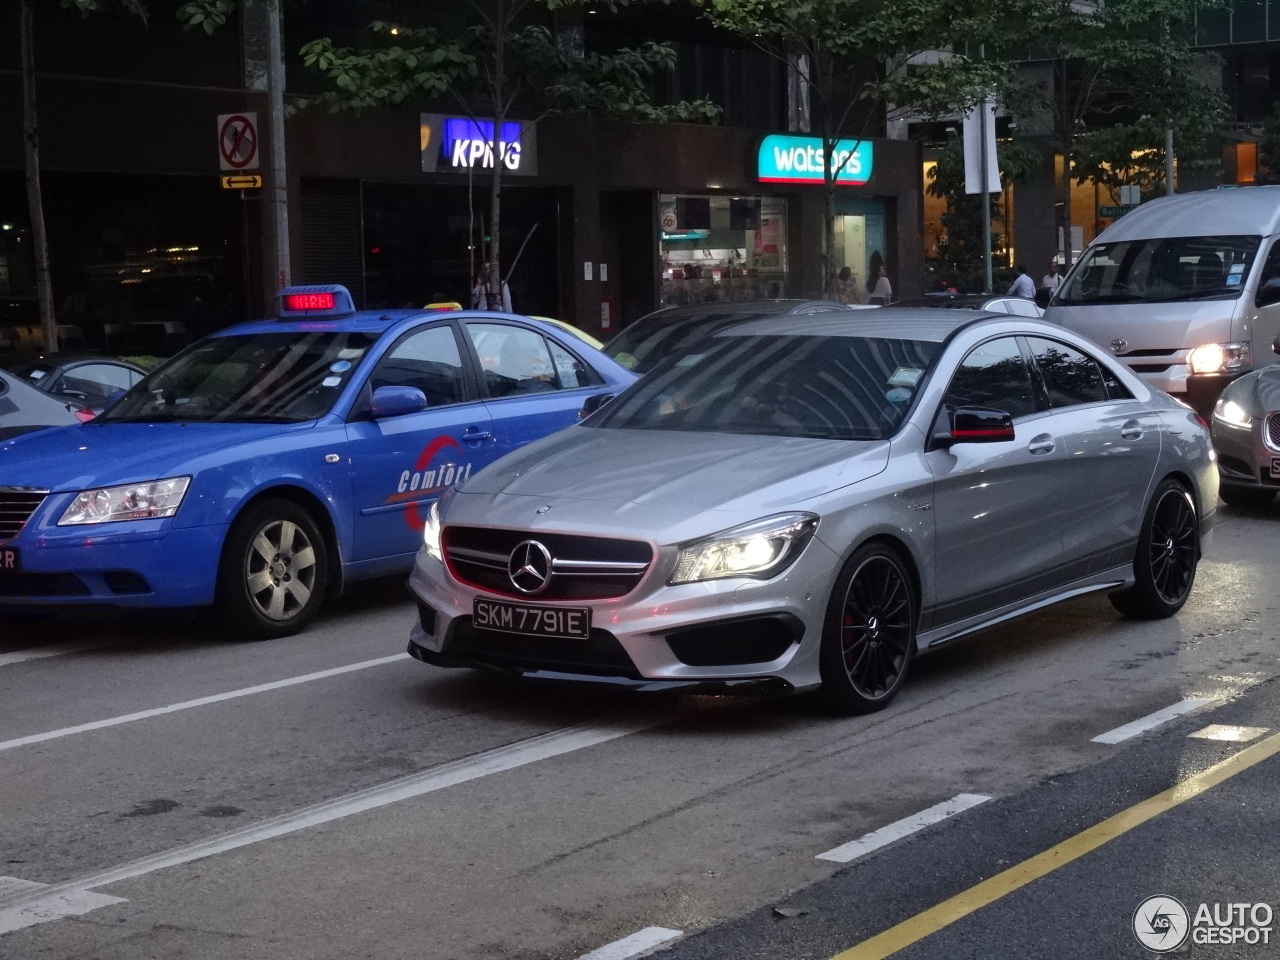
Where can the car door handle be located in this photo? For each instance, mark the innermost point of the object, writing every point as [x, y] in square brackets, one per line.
[1132, 430]
[476, 435]
[1040, 444]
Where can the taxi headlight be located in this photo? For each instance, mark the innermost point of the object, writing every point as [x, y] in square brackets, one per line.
[1220, 358]
[760, 549]
[1230, 412]
[131, 501]
[431, 532]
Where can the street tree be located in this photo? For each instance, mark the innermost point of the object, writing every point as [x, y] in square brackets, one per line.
[31, 147]
[856, 60]
[513, 59]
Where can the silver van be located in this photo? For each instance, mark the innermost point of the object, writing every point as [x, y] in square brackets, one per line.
[1184, 290]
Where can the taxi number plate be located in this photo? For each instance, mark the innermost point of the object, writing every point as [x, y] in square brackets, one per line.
[570, 623]
[1275, 467]
[10, 560]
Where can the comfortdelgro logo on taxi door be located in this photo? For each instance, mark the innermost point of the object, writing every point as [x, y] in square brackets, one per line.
[430, 476]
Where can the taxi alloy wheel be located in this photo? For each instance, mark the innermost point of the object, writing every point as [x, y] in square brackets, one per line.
[869, 636]
[274, 570]
[1164, 565]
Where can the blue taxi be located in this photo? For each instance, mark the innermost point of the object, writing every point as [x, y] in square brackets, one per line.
[267, 465]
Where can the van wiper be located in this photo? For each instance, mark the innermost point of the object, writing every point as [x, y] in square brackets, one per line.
[1106, 298]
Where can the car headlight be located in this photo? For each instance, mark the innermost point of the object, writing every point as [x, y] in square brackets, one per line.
[1230, 412]
[431, 531]
[760, 549]
[1220, 358]
[131, 501]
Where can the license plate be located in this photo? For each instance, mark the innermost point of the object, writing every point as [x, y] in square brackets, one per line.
[10, 560]
[569, 623]
[1275, 467]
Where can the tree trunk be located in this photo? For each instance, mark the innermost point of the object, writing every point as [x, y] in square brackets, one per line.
[35, 204]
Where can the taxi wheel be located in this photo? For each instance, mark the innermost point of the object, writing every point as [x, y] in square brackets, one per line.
[869, 635]
[1164, 567]
[274, 571]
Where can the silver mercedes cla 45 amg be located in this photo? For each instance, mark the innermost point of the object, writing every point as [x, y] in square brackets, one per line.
[813, 506]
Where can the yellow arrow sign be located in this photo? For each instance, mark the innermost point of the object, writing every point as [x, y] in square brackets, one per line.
[244, 181]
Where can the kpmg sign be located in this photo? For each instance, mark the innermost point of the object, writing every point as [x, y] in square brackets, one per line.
[462, 145]
[786, 159]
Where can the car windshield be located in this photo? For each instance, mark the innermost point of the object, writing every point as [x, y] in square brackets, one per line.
[283, 377]
[830, 388]
[642, 346]
[1162, 270]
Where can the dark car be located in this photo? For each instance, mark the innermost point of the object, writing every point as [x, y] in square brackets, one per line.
[24, 408]
[86, 379]
[655, 336]
[992, 303]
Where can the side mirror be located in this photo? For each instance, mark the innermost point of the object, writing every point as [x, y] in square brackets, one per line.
[594, 403]
[1270, 292]
[977, 425]
[397, 401]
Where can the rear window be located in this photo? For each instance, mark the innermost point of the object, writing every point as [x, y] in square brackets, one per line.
[642, 346]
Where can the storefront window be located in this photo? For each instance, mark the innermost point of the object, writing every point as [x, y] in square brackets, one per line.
[722, 248]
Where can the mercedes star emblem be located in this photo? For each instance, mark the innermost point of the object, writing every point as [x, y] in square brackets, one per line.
[530, 567]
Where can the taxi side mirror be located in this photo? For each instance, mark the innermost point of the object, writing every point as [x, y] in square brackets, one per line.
[396, 402]
[594, 403]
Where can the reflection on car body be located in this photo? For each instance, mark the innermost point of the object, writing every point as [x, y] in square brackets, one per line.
[807, 506]
[272, 462]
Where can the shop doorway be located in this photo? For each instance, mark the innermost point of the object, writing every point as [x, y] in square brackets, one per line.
[859, 245]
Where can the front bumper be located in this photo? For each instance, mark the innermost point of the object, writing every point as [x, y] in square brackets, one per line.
[732, 635]
[133, 564]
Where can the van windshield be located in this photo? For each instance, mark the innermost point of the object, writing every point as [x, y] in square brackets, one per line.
[1162, 270]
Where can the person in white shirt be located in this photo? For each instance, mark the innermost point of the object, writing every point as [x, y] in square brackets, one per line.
[1053, 279]
[1023, 286]
[882, 291]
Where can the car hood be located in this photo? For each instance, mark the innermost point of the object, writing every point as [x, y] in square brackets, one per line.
[659, 484]
[99, 454]
[1258, 393]
[1149, 326]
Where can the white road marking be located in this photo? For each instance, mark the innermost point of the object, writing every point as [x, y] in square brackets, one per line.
[52, 650]
[69, 903]
[1218, 731]
[634, 945]
[1120, 734]
[499, 760]
[904, 827]
[201, 702]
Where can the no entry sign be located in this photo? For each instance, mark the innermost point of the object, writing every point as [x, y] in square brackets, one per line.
[238, 141]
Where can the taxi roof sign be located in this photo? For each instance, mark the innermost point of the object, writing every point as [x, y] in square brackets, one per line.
[318, 300]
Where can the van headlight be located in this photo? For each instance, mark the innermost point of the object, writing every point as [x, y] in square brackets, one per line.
[130, 501]
[431, 532]
[1230, 412]
[1220, 358]
[760, 549]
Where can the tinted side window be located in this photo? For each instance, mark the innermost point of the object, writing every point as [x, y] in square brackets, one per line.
[1070, 377]
[1270, 270]
[514, 360]
[993, 375]
[427, 359]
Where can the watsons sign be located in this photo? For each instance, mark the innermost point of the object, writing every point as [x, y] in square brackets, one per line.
[785, 159]
[465, 145]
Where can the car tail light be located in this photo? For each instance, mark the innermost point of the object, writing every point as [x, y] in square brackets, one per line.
[84, 416]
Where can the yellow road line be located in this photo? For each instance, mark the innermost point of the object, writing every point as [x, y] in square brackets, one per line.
[975, 898]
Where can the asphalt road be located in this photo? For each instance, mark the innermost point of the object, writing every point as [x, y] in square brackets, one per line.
[166, 794]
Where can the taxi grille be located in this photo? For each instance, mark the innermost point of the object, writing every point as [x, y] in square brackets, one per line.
[17, 504]
[1273, 430]
[583, 568]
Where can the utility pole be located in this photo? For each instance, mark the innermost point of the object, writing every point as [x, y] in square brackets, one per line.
[279, 186]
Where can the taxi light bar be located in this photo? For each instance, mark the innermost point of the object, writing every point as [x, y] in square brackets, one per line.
[327, 300]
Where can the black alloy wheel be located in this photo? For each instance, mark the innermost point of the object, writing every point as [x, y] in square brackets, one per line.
[1164, 565]
[869, 637]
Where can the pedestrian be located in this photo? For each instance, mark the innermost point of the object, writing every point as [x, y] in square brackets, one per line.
[1053, 279]
[1023, 285]
[882, 289]
[845, 288]
[482, 299]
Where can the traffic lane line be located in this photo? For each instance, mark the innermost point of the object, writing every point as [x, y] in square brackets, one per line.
[198, 702]
[1151, 721]
[850, 851]
[55, 650]
[26, 902]
[634, 945]
[969, 901]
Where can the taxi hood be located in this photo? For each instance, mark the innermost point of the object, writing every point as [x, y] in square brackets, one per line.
[655, 482]
[101, 454]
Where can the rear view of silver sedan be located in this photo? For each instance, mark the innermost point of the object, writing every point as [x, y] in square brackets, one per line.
[810, 507]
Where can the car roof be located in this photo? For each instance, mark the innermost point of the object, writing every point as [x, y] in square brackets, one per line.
[1243, 210]
[732, 308]
[889, 322]
[67, 359]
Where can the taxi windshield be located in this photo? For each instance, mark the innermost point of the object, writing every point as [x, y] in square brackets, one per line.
[284, 377]
[824, 387]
